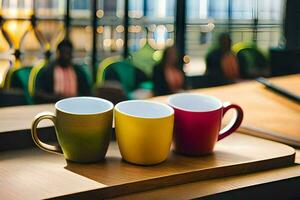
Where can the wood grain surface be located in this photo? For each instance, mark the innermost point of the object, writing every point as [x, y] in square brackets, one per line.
[33, 173]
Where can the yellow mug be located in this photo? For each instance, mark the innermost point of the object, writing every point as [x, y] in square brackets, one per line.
[144, 131]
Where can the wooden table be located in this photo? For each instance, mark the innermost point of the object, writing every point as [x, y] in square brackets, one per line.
[18, 119]
[274, 114]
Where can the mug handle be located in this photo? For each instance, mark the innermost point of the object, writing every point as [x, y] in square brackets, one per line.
[47, 147]
[234, 123]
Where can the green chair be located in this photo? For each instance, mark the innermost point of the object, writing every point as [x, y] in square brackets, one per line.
[19, 79]
[85, 70]
[33, 76]
[129, 76]
[102, 67]
[253, 62]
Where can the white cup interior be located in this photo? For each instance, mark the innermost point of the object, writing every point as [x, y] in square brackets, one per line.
[194, 102]
[144, 109]
[84, 105]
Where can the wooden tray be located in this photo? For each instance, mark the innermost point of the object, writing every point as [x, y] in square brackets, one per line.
[37, 174]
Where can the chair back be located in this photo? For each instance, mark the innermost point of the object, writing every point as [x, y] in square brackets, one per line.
[253, 63]
[19, 79]
[102, 67]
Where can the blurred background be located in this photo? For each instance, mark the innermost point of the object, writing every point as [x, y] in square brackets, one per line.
[108, 31]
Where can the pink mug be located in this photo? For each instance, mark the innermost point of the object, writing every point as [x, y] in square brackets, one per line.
[198, 122]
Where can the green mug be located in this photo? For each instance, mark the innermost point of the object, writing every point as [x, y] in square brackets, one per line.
[83, 126]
